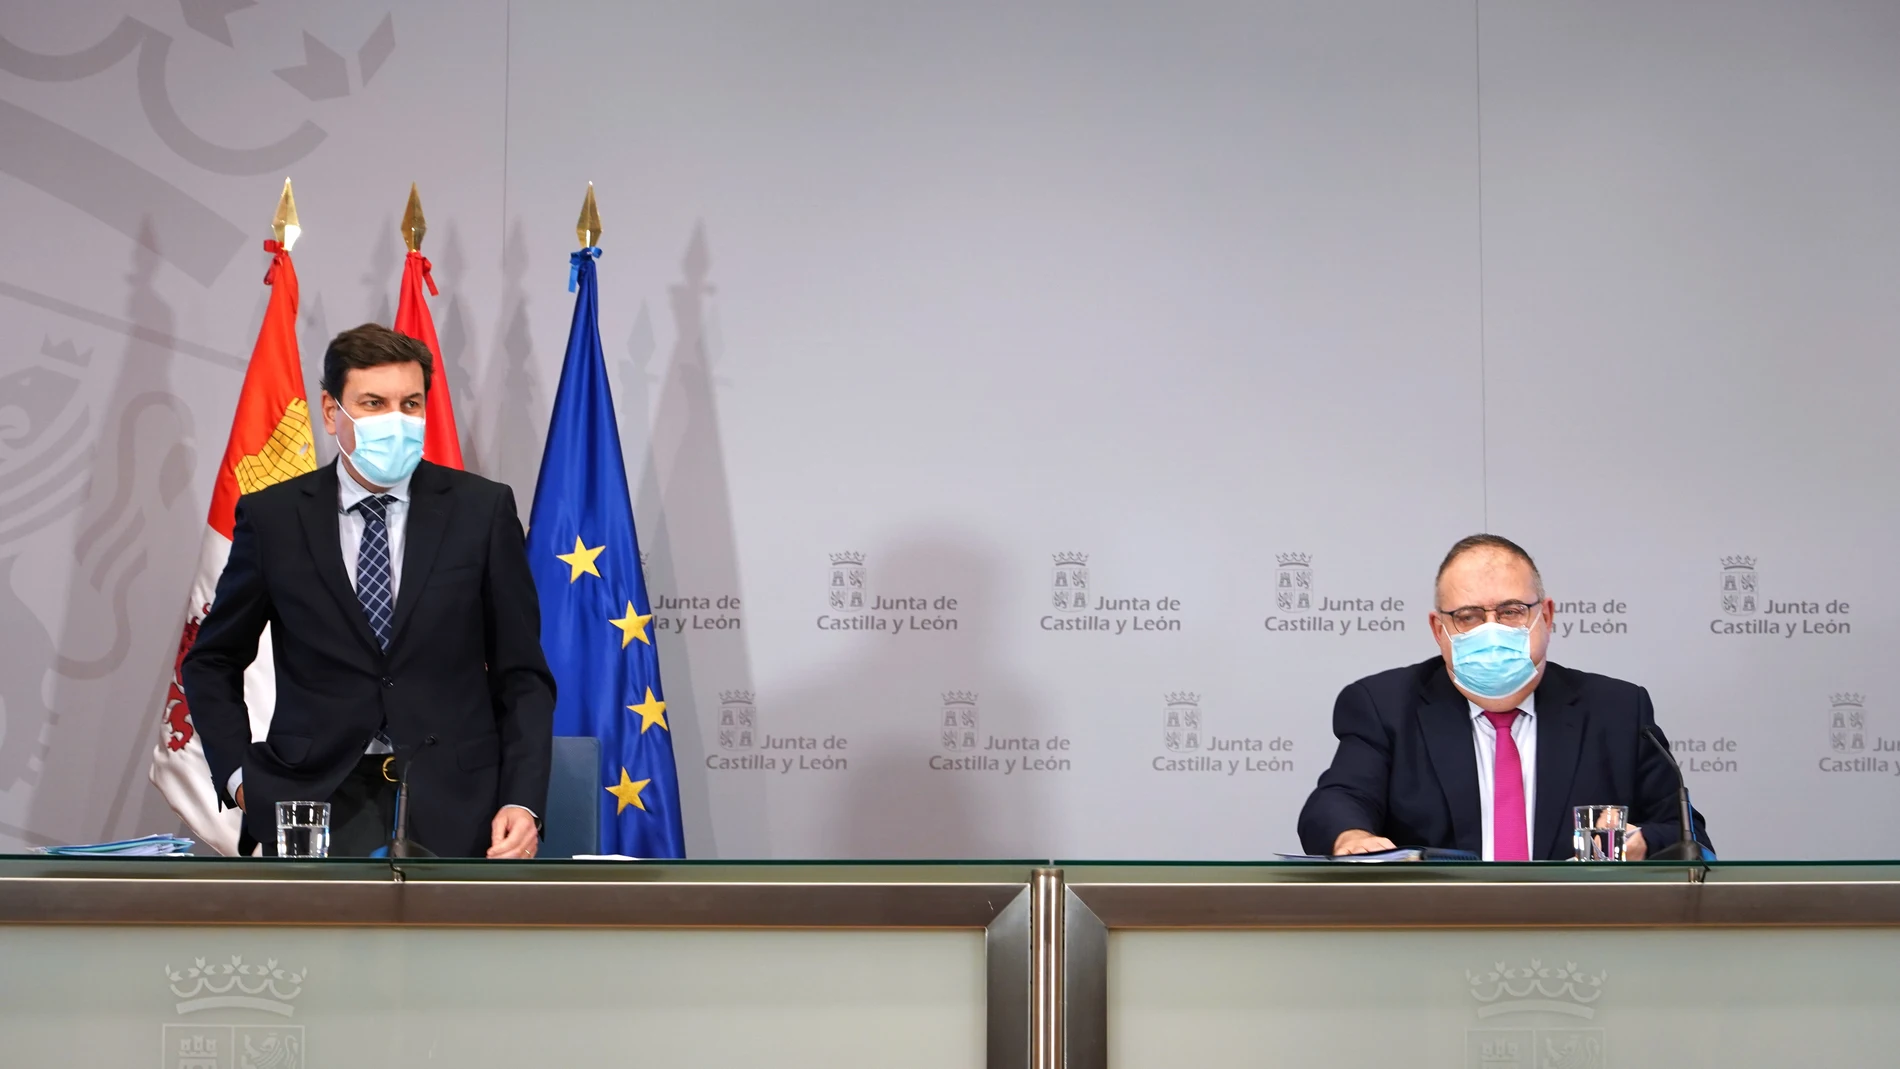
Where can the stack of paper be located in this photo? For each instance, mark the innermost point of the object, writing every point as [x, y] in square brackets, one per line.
[149, 846]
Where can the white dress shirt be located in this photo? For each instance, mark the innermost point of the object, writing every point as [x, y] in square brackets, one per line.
[1484, 738]
[349, 524]
[349, 529]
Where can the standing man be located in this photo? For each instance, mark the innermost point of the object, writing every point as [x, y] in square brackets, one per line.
[1488, 747]
[405, 629]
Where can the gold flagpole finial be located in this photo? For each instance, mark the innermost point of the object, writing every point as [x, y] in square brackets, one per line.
[413, 224]
[283, 225]
[588, 229]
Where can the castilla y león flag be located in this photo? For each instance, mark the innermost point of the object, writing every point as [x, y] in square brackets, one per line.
[270, 442]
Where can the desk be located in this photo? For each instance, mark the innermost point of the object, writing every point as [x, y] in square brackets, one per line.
[214, 963]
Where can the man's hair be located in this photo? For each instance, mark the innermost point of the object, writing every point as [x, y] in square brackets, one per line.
[1470, 543]
[371, 345]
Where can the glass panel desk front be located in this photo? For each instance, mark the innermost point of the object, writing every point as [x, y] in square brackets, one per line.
[220, 964]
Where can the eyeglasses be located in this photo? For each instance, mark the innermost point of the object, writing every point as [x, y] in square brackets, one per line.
[1508, 613]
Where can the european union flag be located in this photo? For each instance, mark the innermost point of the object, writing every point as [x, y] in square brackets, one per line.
[596, 623]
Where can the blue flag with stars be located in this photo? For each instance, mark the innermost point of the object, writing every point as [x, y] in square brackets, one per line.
[596, 623]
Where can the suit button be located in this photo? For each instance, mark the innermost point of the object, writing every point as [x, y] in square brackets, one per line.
[388, 682]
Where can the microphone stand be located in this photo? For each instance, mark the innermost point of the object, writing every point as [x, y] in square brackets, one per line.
[400, 844]
[1685, 848]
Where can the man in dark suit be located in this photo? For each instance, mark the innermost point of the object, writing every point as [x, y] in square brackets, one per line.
[405, 633]
[1488, 747]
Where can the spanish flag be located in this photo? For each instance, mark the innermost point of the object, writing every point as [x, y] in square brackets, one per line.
[270, 442]
[440, 443]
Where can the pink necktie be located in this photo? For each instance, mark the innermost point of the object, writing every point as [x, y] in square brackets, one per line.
[1509, 839]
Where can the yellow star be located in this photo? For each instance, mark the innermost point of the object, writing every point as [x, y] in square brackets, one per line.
[582, 559]
[628, 791]
[631, 627]
[651, 712]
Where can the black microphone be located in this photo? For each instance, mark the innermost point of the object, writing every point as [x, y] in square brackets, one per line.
[400, 845]
[1686, 848]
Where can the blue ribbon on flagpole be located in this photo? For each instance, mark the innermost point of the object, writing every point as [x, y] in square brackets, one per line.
[574, 265]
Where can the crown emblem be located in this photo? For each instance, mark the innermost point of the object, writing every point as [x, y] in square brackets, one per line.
[235, 985]
[1536, 988]
[959, 697]
[1072, 558]
[735, 697]
[1855, 700]
[1738, 562]
[1288, 560]
[849, 557]
[1183, 697]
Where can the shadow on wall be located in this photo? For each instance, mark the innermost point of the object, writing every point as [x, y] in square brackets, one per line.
[683, 506]
[131, 552]
[902, 796]
[508, 442]
[453, 333]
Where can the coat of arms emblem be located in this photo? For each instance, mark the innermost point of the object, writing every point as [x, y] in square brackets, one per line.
[1847, 723]
[1738, 586]
[846, 593]
[1293, 585]
[1181, 722]
[958, 723]
[738, 720]
[1070, 583]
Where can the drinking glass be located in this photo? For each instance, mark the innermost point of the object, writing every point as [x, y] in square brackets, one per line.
[1600, 831]
[303, 829]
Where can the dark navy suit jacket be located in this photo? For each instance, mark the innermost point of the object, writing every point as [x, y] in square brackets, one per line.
[463, 688]
[1406, 768]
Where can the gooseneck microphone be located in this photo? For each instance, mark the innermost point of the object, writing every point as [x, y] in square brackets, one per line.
[400, 845]
[1686, 848]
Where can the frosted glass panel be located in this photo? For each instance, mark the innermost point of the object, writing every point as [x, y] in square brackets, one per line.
[280, 998]
[1573, 999]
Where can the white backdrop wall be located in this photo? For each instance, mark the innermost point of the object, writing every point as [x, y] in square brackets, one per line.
[941, 299]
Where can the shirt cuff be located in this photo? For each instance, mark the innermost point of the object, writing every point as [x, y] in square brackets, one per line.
[237, 780]
[524, 809]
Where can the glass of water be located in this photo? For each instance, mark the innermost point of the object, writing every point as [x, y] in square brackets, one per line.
[1600, 832]
[303, 829]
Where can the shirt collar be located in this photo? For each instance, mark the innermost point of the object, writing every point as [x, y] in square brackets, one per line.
[349, 492]
[1528, 706]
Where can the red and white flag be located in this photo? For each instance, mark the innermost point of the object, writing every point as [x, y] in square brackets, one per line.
[270, 442]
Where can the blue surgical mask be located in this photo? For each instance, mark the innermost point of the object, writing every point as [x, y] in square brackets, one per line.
[1493, 661]
[388, 446]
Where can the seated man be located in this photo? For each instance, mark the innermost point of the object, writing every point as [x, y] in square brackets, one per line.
[1488, 747]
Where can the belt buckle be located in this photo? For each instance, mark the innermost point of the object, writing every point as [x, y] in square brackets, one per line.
[389, 763]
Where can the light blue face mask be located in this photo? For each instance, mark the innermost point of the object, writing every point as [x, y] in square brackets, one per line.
[1493, 661]
[388, 446]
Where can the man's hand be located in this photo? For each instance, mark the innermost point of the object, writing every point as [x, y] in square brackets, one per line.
[1357, 841]
[514, 833]
[1634, 848]
[240, 797]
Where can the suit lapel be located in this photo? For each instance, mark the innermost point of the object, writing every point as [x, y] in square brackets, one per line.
[1560, 723]
[429, 503]
[326, 551]
[1445, 720]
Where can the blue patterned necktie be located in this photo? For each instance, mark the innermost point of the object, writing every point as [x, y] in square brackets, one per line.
[372, 566]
